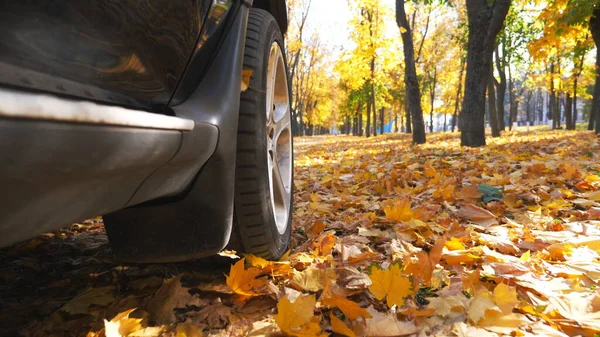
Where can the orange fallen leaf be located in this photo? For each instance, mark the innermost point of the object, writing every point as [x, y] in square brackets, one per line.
[244, 281]
[469, 193]
[350, 308]
[323, 244]
[317, 228]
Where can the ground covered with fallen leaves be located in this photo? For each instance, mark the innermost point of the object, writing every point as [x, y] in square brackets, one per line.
[389, 240]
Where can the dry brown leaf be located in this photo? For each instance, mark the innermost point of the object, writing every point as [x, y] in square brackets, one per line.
[477, 215]
[169, 296]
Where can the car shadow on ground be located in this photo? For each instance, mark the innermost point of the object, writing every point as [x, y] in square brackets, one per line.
[39, 277]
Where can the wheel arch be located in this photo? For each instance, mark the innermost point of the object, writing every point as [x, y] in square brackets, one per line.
[278, 9]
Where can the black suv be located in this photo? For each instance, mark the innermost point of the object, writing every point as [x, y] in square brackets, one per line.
[138, 111]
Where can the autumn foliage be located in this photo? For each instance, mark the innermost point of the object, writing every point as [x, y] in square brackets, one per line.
[395, 240]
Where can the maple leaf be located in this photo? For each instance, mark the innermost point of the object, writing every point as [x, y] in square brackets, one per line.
[244, 281]
[273, 268]
[297, 318]
[317, 228]
[505, 297]
[123, 326]
[398, 210]
[323, 244]
[481, 303]
[390, 284]
[422, 265]
[455, 244]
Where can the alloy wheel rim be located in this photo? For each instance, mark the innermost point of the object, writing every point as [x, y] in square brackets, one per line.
[279, 138]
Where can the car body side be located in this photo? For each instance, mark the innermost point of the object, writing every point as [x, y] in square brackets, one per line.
[159, 57]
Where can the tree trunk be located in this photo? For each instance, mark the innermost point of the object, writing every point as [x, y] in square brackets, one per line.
[595, 112]
[485, 18]
[300, 113]
[381, 120]
[512, 111]
[575, 85]
[445, 122]
[492, 105]
[458, 92]
[501, 87]
[529, 94]
[432, 98]
[373, 109]
[595, 29]
[552, 100]
[413, 94]
[573, 125]
[360, 120]
[408, 119]
[568, 111]
[368, 130]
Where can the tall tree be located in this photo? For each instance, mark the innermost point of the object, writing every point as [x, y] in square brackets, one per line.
[486, 18]
[413, 92]
[492, 105]
[595, 29]
[297, 13]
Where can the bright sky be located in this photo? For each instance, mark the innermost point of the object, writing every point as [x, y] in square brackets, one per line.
[329, 18]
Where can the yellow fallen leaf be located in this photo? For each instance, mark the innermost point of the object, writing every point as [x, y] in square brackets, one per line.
[124, 326]
[444, 306]
[594, 196]
[505, 297]
[312, 278]
[321, 207]
[244, 281]
[297, 319]
[390, 284]
[339, 327]
[188, 330]
[273, 268]
[398, 210]
[526, 257]
[454, 244]
[481, 303]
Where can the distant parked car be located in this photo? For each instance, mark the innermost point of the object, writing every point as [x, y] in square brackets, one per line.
[134, 110]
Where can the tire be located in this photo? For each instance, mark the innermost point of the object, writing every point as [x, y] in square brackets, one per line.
[264, 166]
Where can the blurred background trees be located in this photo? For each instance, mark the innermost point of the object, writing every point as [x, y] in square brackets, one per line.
[422, 66]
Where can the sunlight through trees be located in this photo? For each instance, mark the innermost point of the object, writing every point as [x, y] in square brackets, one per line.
[441, 66]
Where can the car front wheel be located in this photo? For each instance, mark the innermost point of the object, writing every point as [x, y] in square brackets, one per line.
[264, 169]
